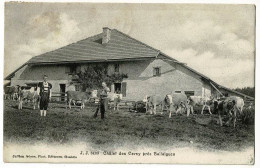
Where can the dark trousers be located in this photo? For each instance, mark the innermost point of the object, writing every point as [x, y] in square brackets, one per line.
[103, 105]
[44, 101]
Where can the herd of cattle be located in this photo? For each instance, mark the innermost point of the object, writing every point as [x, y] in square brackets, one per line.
[176, 102]
[180, 103]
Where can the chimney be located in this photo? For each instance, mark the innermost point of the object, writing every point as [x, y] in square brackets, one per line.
[106, 35]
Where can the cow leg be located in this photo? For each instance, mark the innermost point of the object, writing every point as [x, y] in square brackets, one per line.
[202, 109]
[229, 120]
[83, 105]
[21, 106]
[234, 118]
[154, 109]
[209, 110]
[70, 103]
[192, 111]
[178, 110]
[220, 120]
[117, 106]
[114, 105]
[170, 114]
[188, 111]
[34, 104]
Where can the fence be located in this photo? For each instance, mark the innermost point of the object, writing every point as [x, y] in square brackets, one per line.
[62, 97]
[59, 96]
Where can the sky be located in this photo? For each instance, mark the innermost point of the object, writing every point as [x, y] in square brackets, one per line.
[215, 40]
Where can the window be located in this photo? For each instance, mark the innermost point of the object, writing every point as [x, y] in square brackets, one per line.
[71, 69]
[116, 67]
[189, 93]
[177, 91]
[156, 71]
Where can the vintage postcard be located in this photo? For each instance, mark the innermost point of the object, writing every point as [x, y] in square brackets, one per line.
[129, 83]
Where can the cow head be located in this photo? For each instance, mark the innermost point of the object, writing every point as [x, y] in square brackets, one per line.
[146, 98]
[168, 99]
[230, 105]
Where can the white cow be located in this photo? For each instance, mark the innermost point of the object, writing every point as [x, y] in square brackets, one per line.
[115, 98]
[176, 101]
[30, 94]
[151, 102]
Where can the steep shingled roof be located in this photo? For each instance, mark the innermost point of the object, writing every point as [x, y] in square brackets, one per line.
[120, 46]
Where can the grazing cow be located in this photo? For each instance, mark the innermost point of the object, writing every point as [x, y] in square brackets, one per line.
[116, 98]
[11, 92]
[78, 96]
[176, 101]
[201, 101]
[28, 94]
[230, 106]
[152, 102]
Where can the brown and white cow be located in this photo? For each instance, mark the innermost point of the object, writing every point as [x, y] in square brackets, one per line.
[176, 102]
[230, 106]
[28, 94]
[205, 102]
[83, 97]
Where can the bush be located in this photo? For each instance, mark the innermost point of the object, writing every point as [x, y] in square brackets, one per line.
[248, 116]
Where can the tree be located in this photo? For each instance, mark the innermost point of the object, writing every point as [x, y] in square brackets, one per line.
[93, 76]
[250, 91]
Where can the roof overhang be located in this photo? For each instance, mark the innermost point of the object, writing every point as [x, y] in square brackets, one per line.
[13, 73]
[91, 61]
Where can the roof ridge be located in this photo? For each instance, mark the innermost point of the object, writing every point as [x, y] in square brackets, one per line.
[137, 40]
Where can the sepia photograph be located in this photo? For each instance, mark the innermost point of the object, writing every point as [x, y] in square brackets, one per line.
[159, 83]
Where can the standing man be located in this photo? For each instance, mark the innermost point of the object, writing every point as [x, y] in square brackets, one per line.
[45, 95]
[103, 105]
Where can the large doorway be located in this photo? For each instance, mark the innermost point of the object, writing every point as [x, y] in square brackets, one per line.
[62, 91]
[118, 89]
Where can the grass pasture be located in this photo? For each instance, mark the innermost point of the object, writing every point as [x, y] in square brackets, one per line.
[121, 127]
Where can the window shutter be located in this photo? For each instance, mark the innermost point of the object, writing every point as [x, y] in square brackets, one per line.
[154, 71]
[67, 69]
[124, 89]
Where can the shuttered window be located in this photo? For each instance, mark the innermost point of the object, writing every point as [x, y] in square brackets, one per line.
[116, 67]
[124, 89]
[156, 71]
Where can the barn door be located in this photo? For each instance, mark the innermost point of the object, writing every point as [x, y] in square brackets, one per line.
[124, 89]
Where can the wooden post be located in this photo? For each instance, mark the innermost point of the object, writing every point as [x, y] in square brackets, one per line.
[216, 88]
